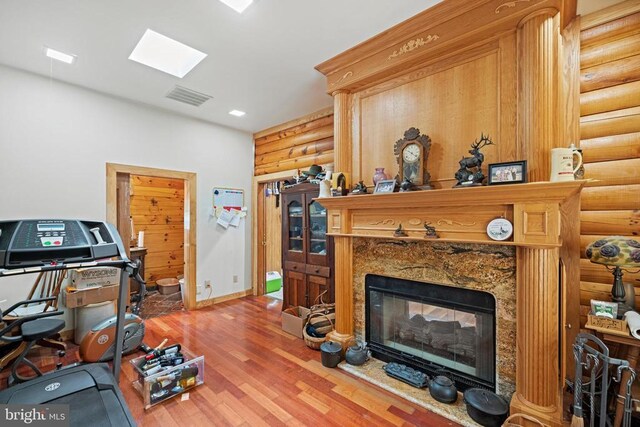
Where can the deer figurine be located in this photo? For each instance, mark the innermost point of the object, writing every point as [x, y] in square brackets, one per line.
[470, 172]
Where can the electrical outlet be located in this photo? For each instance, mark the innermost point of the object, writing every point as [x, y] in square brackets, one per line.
[198, 289]
[207, 284]
[235, 278]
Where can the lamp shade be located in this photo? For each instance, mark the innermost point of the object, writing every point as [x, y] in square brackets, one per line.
[615, 250]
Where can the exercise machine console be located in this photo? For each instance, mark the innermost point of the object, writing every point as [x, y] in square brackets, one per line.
[32, 246]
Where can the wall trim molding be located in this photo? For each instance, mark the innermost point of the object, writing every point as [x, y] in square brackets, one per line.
[257, 213]
[190, 194]
[216, 300]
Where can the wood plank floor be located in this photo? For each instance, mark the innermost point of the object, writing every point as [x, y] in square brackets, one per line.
[257, 375]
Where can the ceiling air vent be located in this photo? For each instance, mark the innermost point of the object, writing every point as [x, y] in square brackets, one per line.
[188, 96]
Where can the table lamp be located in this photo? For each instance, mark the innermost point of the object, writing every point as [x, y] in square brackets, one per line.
[616, 253]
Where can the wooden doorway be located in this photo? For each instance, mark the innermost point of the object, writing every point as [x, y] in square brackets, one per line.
[266, 230]
[118, 177]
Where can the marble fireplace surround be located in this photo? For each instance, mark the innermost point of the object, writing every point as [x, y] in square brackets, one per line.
[488, 268]
[544, 249]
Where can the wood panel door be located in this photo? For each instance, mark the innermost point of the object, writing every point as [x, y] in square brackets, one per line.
[294, 289]
[273, 232]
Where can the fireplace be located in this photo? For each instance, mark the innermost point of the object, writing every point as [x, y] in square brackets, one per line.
[434, 328]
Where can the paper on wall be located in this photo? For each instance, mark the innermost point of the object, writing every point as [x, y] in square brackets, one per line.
[225, 218]
[235, 221]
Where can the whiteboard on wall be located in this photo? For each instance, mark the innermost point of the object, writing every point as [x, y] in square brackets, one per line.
[227, 198]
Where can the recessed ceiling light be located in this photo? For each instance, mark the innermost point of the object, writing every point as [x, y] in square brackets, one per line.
[238, 5]
[165, 54]
[60, 56]
[237, 113]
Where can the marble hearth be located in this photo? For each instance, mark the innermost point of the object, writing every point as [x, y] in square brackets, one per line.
[487, 268]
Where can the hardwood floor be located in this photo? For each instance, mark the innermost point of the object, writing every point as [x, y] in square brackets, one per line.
[258, 375]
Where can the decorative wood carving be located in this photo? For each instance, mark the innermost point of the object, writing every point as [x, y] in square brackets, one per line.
[449, 222]
[412, 45]
[344, 77]
[383, 221]
[509, 4]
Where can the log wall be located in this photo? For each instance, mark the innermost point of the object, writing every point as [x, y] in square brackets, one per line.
[157, 208]
[297, 144]
[610, 139]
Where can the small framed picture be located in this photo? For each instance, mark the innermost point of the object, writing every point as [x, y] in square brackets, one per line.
[508, 173]
[385, 186]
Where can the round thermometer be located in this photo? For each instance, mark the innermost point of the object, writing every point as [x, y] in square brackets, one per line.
[499, 229]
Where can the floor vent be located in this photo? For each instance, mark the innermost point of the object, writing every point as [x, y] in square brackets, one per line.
[188, 96]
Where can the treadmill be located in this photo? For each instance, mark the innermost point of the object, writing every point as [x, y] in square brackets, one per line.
[32, 246]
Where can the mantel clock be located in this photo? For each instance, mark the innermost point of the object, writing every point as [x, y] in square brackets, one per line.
[411, 154]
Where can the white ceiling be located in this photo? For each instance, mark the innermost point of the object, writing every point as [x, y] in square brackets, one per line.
[260, 61]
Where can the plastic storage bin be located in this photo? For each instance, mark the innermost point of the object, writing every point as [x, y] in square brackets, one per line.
[170, 382]
[274, 281]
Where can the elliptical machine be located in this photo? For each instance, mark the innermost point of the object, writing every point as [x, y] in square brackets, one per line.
[98, 345]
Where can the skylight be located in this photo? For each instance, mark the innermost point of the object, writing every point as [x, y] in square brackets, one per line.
[60, 56]
[165, 54]
[238, 5]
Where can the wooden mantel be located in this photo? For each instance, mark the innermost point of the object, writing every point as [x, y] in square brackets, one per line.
[546, 234]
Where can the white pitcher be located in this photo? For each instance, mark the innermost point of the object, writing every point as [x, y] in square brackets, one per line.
[562, 164]
[325, 186]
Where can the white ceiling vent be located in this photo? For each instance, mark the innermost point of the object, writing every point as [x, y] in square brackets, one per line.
[188, 96]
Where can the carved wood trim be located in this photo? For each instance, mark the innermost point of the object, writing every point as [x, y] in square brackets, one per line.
[439, 30]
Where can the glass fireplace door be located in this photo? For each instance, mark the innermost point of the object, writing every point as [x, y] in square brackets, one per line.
[434, 332]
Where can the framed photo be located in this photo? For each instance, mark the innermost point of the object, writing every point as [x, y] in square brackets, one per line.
[385, 186]
[508, 173]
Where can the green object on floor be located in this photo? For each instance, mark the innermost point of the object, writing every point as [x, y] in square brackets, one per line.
[274, 281]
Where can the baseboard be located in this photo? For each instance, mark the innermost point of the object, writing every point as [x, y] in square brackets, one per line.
[217, 300]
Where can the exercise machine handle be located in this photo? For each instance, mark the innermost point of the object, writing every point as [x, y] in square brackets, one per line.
[26, 302]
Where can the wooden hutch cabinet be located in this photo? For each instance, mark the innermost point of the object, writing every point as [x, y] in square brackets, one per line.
[307, 257]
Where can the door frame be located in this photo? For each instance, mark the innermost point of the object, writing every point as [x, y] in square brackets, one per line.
[189, 178]
[258, 260]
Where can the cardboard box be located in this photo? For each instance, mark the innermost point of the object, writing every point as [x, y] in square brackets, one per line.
[94, 277]
[82, 297]
[293, 324]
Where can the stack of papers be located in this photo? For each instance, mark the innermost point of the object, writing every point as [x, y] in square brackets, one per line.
[230, 217]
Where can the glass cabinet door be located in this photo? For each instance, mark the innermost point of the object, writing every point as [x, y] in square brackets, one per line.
[317, 229]
[295, 215]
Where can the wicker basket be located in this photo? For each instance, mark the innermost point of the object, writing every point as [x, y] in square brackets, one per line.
[320, 306]
[516, 420]
[313, 342]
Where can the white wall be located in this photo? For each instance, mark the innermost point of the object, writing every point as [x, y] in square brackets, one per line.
[55, 140]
